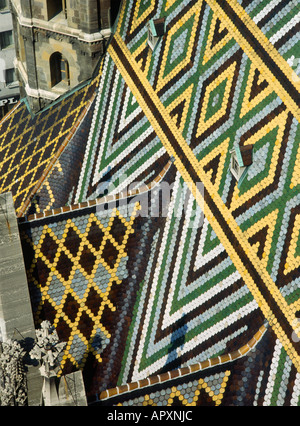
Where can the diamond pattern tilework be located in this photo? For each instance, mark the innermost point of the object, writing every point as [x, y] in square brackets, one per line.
[28, 144]
[58, 188]
[74, 277]
[223, 74]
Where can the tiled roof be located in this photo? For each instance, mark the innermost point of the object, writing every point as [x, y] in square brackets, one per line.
[186, 388]
[30, 145]
[214, 81]
[77, 267]
[57, 189]
[223, 75]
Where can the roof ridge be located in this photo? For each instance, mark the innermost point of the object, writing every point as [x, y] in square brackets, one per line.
[98, 201]
[185, 371]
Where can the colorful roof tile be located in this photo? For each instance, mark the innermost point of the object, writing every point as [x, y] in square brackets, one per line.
[216, 271]
[30, 145]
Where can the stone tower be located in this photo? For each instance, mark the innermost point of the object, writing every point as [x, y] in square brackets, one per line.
[58, 44]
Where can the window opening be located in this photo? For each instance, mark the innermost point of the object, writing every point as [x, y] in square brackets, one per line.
[60, 71]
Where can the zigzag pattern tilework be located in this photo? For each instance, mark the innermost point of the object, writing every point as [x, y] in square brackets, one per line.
[199, 392]
[264, 377]
[192, 271]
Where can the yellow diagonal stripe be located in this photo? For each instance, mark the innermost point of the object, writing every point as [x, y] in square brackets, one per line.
[135, 87]
[255, 58]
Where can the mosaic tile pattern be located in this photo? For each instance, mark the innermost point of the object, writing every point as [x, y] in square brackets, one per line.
[217, 92]
[279, 21]
[198, 283]
[190, 394]
[121, 147]
[185, 373]
[218, 167]
[58, 188]
[75, 265]
[29, 143]
[265, 376]
[193, 310]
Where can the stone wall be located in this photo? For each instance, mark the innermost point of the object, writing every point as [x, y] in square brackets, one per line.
[16, 320]
[40, 32]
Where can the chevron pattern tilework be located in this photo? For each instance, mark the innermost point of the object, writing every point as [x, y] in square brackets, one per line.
[204, 391]
[140, 295]
[122, 147]
[194, 310]
[236, 106]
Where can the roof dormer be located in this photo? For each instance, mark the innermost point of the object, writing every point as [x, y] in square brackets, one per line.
[156, 29]
[241, 159]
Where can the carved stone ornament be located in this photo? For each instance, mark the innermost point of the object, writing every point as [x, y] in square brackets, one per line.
[13, 383]
[47, 349]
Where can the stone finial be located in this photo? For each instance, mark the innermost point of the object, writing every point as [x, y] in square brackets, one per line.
[47, 349]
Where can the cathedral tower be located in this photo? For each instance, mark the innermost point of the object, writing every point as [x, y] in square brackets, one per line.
[58, 44]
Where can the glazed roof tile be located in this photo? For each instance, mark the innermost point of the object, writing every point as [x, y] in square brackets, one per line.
[30, 144]
[197, 288]
[215, 80]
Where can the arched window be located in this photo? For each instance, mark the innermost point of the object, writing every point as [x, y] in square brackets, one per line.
[59, 67]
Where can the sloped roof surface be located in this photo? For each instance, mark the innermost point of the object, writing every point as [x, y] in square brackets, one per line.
[29, 144]
[216, 79]
[223, 74]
